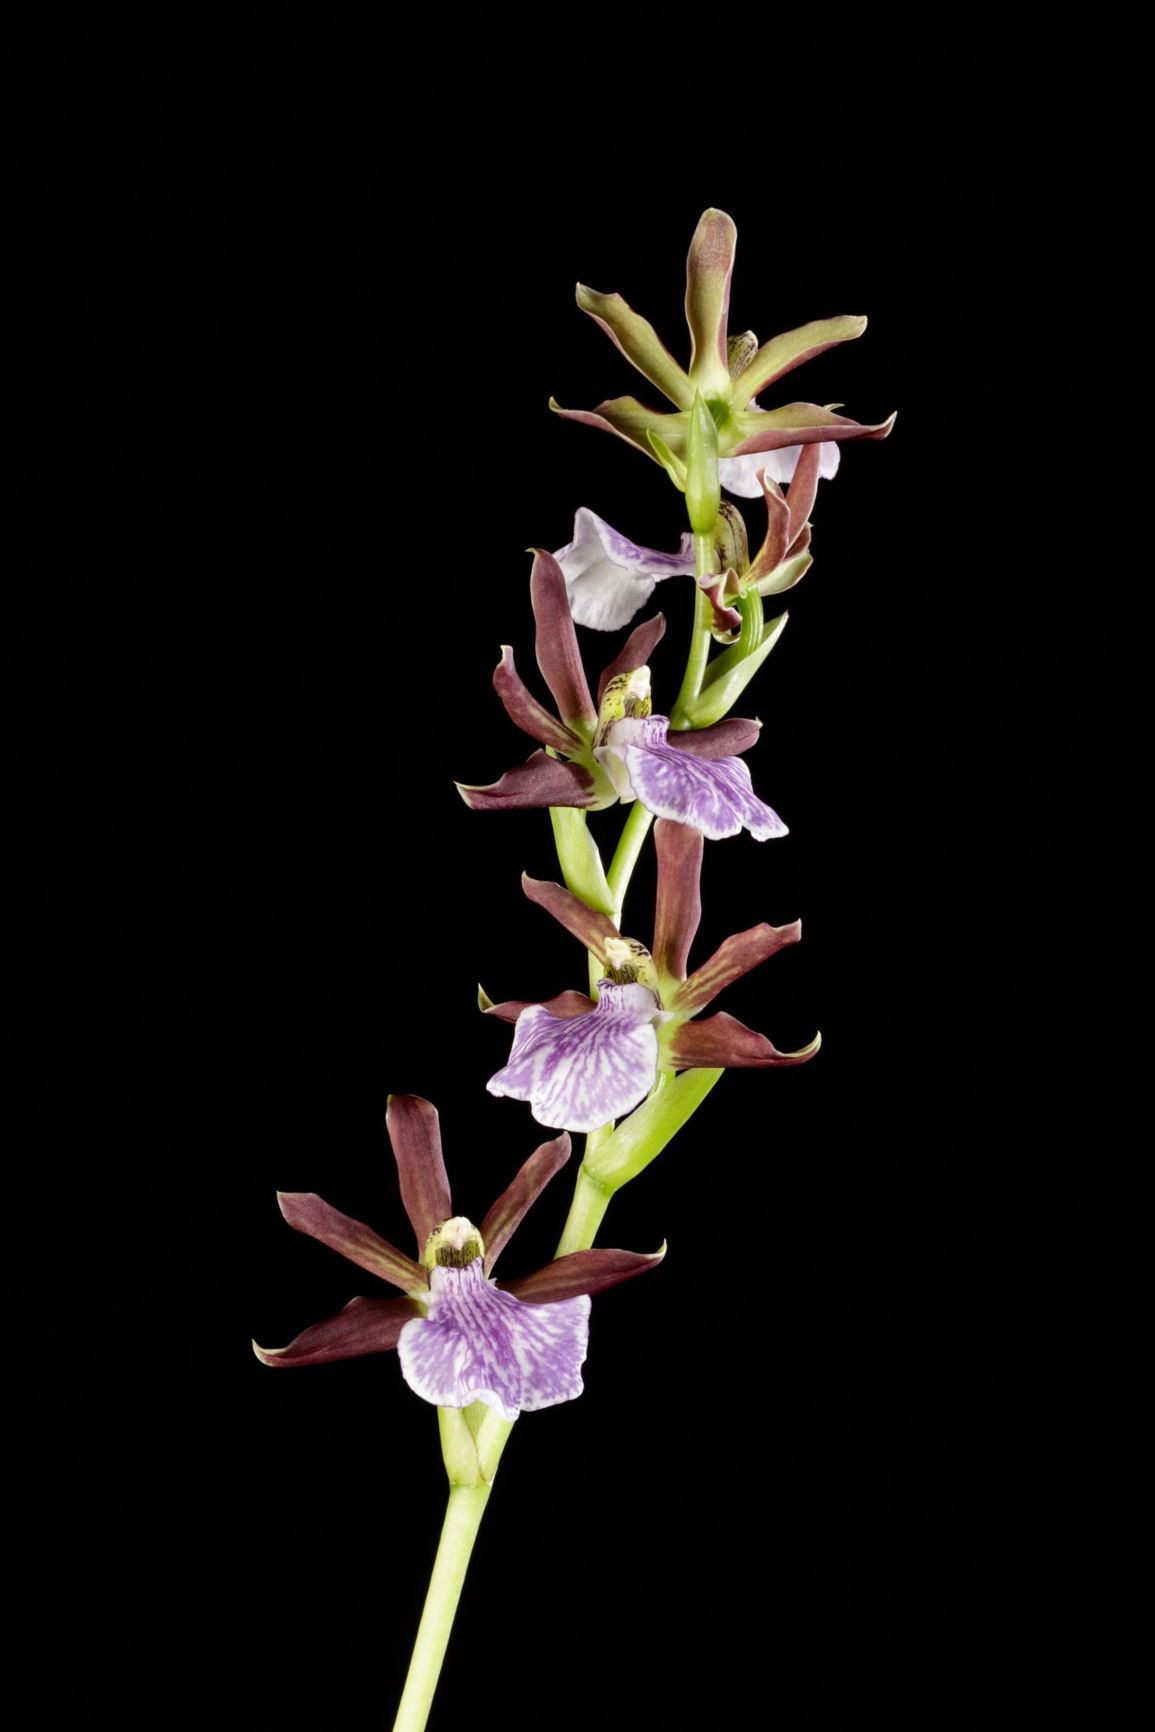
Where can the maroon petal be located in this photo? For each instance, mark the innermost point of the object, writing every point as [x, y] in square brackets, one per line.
[733, 958]
[777, 539]
[540, 781]
[723, 1041]
[310, 1214]
[523, 708]
[364, 1326]
[581, 1272]
[586, 924]
[565, 1004]
[509, 1210]
[803, 489]
[802, 424]
[679, 903]
[557, 645]
[727, 739]
[709, 268]
[415, 1132]
[636, 652]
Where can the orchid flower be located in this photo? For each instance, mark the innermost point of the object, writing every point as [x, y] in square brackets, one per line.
[581, 1062]
[460, 1336]
[610, 578]
[576, 768]
[728, 372]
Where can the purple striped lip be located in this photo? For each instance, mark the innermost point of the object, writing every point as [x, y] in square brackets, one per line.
[713, 795]
[478, 1343]
[579, 1072]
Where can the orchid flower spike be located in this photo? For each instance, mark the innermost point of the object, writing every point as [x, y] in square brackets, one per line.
[728, 372]
[575, 770]
[581, 1062]
[461, 1337]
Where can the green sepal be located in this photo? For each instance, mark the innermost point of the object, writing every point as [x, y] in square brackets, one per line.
[642, 1136]
[673, 466]
[580, 861]
[730, 674]
[703, 490]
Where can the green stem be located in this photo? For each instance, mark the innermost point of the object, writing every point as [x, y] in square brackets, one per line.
[462, 1520]
[705, 564]
[590, 1202]
[626, 855]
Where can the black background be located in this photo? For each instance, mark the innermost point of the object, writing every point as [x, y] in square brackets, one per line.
[295, 310]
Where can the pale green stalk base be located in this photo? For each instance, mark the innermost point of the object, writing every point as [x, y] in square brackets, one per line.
[472, 1440]
[462, 1520]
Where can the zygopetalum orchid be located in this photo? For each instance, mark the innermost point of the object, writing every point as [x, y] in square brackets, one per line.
[460, 1336]
[581, 1063]
[728, 372]
[619, 750]
[610, 578]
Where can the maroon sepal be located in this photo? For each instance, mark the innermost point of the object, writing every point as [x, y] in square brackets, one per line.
[557, 646]
[802, 424]
[523, 708]
[565, 1004]
[311, 1214]
[787, 529]
[721, 1041]
[540, 781]
[587, 925]
[777, 538]
[734, 957]
[803, 490]
[581, 1272]
[415, 1133]
[709, 268]
[364, 1326]
[628, 419]
[507, 1213]
[679, 902]
[726, 739]
[638, 648]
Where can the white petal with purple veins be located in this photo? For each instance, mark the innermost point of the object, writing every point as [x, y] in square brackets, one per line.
[481, 1344]
[578, 1072]
[608, 578]
[714, 795]
[740, 474]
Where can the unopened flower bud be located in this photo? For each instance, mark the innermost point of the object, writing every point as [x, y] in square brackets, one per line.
[703, 491]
